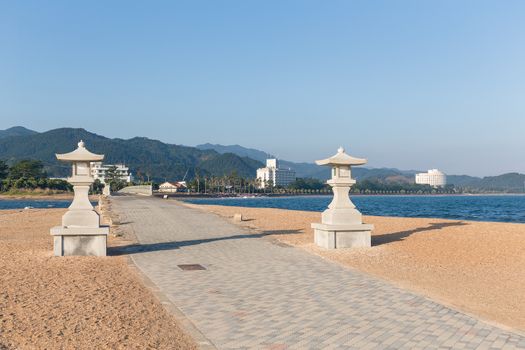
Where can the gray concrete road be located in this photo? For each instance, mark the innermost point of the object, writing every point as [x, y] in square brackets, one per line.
[257, 294]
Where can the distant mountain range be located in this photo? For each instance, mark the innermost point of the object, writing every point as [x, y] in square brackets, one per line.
[159, 161]
[144, 156]
[301, 169]
[511, 182]
[312, 170]
[16, 131]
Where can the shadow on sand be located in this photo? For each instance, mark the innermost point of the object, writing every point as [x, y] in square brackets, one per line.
[399, 236]
[154, 247]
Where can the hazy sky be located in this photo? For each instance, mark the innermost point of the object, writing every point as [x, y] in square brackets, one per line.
[406, 84]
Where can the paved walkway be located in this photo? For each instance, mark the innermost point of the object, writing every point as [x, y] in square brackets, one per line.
[257, 294]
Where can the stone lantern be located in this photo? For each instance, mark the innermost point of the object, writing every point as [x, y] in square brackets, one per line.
[80, 232]
[341, 225]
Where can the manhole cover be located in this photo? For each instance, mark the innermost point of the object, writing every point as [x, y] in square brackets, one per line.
[191, 267]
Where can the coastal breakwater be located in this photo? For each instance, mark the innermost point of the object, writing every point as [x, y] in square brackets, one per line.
[142, 190]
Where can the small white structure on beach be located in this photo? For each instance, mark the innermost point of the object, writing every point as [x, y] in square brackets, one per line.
[342, 225]
[80, 232]
[433, 177]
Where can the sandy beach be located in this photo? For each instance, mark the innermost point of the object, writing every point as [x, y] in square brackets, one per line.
[476, 267]
[73, 302]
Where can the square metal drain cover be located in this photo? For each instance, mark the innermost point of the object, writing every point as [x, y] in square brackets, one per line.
[191, 267]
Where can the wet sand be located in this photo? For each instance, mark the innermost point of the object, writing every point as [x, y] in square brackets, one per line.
[476, 267]
[73, 302]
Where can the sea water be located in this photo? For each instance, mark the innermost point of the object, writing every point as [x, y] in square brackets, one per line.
[500, 208]
[33, 203]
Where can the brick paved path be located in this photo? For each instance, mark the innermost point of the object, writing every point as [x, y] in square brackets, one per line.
[256, 294]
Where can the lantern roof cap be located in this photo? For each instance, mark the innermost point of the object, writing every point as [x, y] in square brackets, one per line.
[80, 154]
[341, 158]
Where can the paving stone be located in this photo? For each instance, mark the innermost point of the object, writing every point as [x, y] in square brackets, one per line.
[255, 294]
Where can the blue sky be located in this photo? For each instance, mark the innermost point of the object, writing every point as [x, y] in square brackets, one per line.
[406, 84]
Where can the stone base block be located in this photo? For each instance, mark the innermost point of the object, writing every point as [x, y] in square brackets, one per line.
[342, 216]
[343, 236]
[80, 241]
[81, 218]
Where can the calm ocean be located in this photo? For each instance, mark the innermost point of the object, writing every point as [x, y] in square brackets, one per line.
[34, 203]
[502, 208]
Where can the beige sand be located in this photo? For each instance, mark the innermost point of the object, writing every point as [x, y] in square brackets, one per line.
[73, 302]
[477, 267]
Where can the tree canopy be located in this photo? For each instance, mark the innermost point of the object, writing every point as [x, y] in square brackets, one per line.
[4, 170]
[112, 177]
[27, 168]
[307, 184]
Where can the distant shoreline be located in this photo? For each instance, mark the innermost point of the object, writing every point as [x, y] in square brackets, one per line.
[249, 195]
[181, 196]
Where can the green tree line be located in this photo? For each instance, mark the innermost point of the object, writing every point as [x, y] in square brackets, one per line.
[234, 183]
[28, 174]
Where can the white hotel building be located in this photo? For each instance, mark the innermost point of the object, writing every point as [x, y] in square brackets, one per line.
[98, 171]
[277, 176]
[433, 177]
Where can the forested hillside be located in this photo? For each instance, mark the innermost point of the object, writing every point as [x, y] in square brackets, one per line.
[16, 131]
[144, 156]
[156, 160]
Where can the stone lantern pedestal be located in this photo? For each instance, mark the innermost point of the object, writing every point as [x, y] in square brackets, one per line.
[80, 232]
[341, 224]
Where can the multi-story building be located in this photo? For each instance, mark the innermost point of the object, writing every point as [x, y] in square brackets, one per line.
[273, 175]
[433, 177]
[98, 170]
